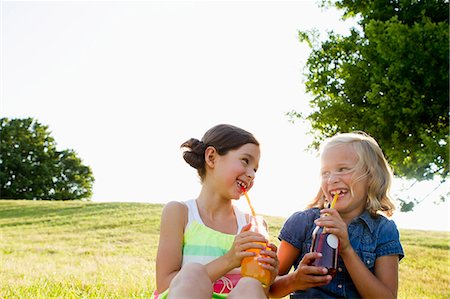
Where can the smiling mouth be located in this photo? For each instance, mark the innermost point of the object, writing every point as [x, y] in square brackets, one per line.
[242, 184]
[339, 192]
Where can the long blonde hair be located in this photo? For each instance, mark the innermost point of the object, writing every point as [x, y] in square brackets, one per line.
[373, 164]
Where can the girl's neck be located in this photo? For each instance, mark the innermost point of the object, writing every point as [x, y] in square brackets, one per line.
[213, 205]
[217, 213]
[211, 199]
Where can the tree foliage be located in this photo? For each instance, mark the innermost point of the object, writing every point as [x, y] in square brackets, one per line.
[389, 78]
[32, 168]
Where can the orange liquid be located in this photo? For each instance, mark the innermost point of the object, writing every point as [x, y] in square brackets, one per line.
[251, 268]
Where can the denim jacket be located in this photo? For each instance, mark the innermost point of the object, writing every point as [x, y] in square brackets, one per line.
[369, 237]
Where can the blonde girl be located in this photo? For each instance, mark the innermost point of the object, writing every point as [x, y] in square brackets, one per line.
[353, 166]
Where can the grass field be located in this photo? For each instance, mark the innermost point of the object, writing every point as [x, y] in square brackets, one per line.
[107, 250]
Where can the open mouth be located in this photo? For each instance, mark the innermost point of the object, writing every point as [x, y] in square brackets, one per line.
[340, 192]
[241, 184]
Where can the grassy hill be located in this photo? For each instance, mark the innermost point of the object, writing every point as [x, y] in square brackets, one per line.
[107, 250]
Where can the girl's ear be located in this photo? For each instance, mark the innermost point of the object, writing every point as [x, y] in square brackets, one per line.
[210, 156]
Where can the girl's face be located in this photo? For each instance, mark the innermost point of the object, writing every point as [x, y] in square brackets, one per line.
[339, 175]
[237, 168]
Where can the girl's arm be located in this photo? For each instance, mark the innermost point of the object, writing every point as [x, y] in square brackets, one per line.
[383, 283]
[169, 255]
[232, 259]
[303, 278]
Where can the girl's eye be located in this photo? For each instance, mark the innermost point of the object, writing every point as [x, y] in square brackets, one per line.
[325, 174]
[245, 161]
[346, 170]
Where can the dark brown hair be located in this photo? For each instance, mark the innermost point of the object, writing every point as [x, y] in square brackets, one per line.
[222, 137]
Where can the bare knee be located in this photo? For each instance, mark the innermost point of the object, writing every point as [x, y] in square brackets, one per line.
[191, 282]
[247, 288]
[192, 272]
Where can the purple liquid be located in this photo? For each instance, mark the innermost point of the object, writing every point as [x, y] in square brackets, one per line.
[328, 245]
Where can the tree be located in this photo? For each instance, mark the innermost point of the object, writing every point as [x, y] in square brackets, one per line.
[389, 78]
[32, 168]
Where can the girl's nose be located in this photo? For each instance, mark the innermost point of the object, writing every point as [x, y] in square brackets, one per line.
[250, 174]
[334, 177]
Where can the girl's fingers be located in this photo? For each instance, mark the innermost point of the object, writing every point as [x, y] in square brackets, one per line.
[319, 280]
[250, 237]
[324, 221]
[247, 254]
[246, 227]
[269, 253]
[309, 258]
[315, 272]
[272, 247]
[329, 211]
[268, 263]
[251, 245]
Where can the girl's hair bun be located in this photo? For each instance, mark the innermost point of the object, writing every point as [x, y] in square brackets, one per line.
[194, 153]
[222, 137]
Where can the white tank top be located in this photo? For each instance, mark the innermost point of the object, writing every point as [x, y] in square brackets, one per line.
[193, 214]
[202, 244]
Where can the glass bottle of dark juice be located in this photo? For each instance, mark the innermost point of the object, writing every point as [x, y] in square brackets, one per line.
[328, 245]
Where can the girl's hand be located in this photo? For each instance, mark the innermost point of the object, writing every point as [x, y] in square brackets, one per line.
[307, 276]
[243, 241]
[336, 226]
[269, 260]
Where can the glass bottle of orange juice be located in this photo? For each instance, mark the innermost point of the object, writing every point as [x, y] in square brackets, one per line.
[250, 266]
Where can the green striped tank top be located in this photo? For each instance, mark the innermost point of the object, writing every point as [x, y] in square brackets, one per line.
[202, 244]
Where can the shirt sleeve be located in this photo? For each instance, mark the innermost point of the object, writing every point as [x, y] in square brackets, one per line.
[296, 228]
[389, 240]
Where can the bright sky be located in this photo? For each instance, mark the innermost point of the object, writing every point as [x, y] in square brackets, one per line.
[125, 83]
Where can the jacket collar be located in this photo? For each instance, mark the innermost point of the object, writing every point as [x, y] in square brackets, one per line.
[368, 220]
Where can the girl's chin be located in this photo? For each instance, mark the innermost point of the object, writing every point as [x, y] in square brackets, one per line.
[339, 203]
[237, 197]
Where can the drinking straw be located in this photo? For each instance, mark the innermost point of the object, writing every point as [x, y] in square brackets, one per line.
[334, 200]
[248, 200]
[332, 206]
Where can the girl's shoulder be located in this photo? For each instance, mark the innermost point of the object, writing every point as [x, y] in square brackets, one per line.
[306, 215]
[298, 228]
[386, 236]
[175, 210]
[302, 219]
[381, 227]
[387, 225]
[175, 206]
[379, 222]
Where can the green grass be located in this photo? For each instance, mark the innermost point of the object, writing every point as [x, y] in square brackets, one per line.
[107, 250]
